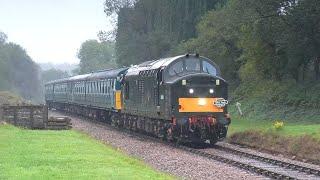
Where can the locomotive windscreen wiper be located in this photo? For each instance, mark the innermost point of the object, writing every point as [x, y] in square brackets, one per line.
[207, 70]
[176, 73]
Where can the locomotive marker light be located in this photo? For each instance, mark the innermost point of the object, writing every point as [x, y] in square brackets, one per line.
[191, 91]
[202, 102]
[217, 82]
[221, 102]
[162, 97]
[211, 91]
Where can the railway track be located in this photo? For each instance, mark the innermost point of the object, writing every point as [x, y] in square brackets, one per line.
[258, 164]
[268, 167]
[273, 161]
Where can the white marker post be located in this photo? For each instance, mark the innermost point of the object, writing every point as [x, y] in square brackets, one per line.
[239, 109]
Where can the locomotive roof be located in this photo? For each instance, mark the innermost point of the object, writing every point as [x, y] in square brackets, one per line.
[132, 71]
[151, 65]
[91, 76]
[106, 74]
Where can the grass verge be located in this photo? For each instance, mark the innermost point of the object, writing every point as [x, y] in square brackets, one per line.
[301, 141]
[305, 147]
[265, 101]
[27, 154]
[289, 129]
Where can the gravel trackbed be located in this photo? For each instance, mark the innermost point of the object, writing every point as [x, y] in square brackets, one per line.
[161, 157]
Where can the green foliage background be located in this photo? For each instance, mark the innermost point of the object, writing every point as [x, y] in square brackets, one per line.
[18, 73]
[269, 51]
[96, 55]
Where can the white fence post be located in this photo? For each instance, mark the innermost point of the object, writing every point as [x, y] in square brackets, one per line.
[239, 109]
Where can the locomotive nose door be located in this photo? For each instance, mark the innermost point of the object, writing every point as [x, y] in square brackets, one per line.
[157, 90]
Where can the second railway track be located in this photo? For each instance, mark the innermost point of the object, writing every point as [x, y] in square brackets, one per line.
[268, 167]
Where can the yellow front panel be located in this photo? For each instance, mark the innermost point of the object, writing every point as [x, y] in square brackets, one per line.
[198, 105]
[118, 100]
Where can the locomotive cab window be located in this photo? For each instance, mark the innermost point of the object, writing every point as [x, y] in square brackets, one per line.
[192, 64]
[209, 68]
[176, 68]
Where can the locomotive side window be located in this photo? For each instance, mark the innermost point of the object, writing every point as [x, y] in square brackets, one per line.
[192, 64]
[159, 75]
[176, 68]
[209, 68]
[126, 94]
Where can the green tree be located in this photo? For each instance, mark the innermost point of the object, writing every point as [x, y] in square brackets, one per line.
[53, 74]
[3, 37]
[217, 39]
[150, 29]
[303, 39]
[96, 55]
[18, 73]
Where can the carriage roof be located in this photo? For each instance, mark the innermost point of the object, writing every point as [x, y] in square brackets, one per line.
[103, 74]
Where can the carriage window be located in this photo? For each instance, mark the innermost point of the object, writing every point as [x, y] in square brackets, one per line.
[192, 64]
[209, 68]
[99, 87]
[176, 68]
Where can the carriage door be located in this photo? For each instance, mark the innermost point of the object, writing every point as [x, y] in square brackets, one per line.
[117, 93]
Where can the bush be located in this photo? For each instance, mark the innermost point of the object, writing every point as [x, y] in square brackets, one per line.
[286, 100]
[278, 124]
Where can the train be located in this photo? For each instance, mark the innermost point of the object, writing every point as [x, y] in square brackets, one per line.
[182, 98]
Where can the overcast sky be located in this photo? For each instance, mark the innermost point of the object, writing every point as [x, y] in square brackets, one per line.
[52, 30]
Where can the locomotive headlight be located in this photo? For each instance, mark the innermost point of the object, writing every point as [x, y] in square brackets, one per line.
[191, 91]
[202, 102]
[211, 91]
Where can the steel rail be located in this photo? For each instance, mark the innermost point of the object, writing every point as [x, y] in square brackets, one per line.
[241, 165]
[284, 164]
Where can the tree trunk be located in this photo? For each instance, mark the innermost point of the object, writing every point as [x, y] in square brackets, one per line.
[316, 68]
